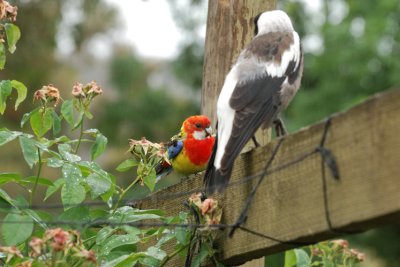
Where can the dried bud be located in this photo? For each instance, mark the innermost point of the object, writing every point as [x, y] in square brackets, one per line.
[11, 251]
[195, 199]
[208, 206]
[316, 252]
[89, 255]
[48, 94]
[36, 245]
[77, 90]
[341, 243]
[8, 11]
[361, 256]
[94, 88]
[60, 238]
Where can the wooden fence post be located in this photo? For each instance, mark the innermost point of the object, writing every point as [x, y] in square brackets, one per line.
[229, 28]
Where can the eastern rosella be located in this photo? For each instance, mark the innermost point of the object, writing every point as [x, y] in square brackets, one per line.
[263, 81]
[190, 150]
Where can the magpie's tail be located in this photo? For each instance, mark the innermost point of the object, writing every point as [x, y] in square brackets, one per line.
[214, 179]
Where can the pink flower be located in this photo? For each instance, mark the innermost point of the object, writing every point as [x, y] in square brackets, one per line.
[77, 90]
[36, 245]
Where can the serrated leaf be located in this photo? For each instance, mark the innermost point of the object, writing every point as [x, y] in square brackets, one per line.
[99, 146]
[41, 121]
[52, 189]
[98, 184]
[21, 90]
[55, 162]
[80, 214]
[119, 240]
[7, 136]
[67, 110]
[16, 228]
[302, 258]
[65, 150]
[5, 92]
[27, 116]
[103, 234]
[127, 165]
[156, 253]
[13, 34]
[56, 123]
[72, 196]
[150, 180]
[29, 150]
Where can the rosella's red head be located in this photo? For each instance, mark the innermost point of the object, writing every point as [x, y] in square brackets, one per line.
[198, 127]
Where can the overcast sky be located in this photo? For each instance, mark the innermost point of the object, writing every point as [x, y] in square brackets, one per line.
[149, 26]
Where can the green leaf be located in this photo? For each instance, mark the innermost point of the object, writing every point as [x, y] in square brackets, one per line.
[56, 123]
[127, 165]
[303, 260]
[277, 260]
[27, 116]
[201, 256]
[150, 180]
[98, 184]
[125, 260]
[7, 177]
[290, 258]
[78, 121]
[67, 110]
[29, 150]
[21, 90]
[182, 235]
[55, 162]
[2, 56]
[35, 217]
[72, 196]
[41, 121]
[103, 234]
[52, 189]
[6, 197]
[118, 241]
[75, 214]
[156, 253]
[128, 214]
[99, 146]
[65, 151]
[7, 136]
[13, 34]
[5, 92]
[72, 192]
[32, 180]
[16, 228]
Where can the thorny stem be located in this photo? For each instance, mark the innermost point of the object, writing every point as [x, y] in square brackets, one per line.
[173, 254]
[80, 138]
[32, 195]
[123, 193]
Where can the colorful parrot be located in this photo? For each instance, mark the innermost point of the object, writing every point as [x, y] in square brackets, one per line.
[190, 150]
[262, 82]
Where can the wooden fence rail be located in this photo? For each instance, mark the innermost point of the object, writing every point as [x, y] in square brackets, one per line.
[289, 204]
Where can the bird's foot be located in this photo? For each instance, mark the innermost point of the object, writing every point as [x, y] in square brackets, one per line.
[280, 129]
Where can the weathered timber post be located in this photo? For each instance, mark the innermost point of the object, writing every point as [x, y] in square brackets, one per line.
[229, 28]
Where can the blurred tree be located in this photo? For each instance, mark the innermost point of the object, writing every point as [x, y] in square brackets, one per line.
[140, 110]
[349, 55]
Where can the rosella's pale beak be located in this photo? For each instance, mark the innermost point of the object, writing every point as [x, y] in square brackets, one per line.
[208, 131]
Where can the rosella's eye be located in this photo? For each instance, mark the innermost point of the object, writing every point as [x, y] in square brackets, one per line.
[198, 125]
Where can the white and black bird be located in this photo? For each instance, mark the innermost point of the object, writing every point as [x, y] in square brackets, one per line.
[261, 83]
